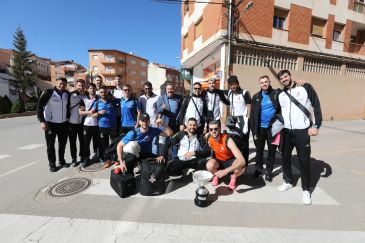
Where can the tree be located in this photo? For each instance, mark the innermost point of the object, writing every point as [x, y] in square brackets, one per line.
[21, 68]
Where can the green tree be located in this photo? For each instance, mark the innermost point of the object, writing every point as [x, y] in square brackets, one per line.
[18, 106]
[21, 68]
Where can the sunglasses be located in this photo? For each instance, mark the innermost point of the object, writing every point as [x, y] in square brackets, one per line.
[213, 129]
[197, 88]
[126, 89]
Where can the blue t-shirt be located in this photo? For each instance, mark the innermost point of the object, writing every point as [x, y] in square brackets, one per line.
[143, 139]
[128, 111]
[172, 105]
[267, 110]
[108, 119]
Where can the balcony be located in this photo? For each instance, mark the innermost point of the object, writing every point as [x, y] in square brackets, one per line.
[112, 73]
[357, 48]
[112, 61]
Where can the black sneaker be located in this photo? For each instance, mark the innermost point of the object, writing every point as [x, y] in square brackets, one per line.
[53, 169]
[75, 163]
[268, 177]
[64, 164]
[257, 174]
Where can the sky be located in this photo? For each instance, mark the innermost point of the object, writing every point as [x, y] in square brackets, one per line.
[65, 30]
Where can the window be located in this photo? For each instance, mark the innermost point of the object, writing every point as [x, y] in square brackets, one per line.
[133, 72]
[143, 73]
[133, 61]
[337, 32]
[108, 79]
[109, 69]
[317, 27]
[185, 42]
[95, 68]
[143, 64]
[95, 57]
[109, 58]
[198, 28]
[279, 21]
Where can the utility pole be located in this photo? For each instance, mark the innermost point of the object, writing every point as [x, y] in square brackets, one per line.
[229, 37]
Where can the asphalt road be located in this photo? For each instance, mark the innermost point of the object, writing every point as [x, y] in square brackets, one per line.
[254, 212]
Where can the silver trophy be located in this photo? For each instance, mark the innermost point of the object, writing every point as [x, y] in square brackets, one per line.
[202, 178]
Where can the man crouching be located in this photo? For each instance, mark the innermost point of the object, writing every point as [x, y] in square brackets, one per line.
[227, 157]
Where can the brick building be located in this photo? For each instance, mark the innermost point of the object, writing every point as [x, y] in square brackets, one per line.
[68, 69]
[319, 41]
[110, 63]
[158, 74]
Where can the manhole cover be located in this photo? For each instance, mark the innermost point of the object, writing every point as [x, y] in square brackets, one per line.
[69, 187]
[92, 167]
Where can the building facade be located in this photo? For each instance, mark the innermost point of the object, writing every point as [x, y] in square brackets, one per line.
[158, 74]
[110, 63]
[319, 41]
[68, 69]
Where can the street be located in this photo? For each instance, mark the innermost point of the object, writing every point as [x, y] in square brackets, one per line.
[254, 212]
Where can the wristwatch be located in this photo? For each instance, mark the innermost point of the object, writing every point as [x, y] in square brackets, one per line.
[315, 126]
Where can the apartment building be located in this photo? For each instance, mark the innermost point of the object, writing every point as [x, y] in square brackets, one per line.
[319, 41]
[110, 63]
[158, 74]
[68, 69]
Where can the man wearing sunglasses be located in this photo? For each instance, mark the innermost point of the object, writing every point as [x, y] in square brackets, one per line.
[227, 158]
[129, 109]
[193, 106]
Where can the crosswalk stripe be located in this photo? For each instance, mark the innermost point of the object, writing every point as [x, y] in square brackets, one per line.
[29, 228]
[31, 146]
[3, 156]
[19, 168]
[243, 193]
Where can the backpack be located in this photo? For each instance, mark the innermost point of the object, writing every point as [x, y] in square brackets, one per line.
[124, 184]
[153, 175]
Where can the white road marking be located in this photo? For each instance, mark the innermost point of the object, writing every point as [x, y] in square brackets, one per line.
[19, 168]
[243, 193]
[29, 228]
[31, 146]
[3, 156]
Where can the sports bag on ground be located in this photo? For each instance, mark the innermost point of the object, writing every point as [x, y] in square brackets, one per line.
[124, 184]
[153, 177]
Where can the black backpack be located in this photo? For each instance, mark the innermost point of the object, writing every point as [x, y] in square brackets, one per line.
[124, 184]
[153, 175]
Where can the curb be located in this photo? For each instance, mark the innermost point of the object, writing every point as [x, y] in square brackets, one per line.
[11, 115]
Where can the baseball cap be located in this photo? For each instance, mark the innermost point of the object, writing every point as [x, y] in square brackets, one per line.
[145, 117]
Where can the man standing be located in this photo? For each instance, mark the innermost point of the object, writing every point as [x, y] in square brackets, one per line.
[98, 83]
[53, 111]
[240, 106]
[227, 158]
[106, 110]
[129, 109]
[148, 104]
[193, 150]
[213, 97]
[118, 91]
[91, 128]
[264, 111]
[169, 106]
[193, 106]
[296, 103]
[76, 126]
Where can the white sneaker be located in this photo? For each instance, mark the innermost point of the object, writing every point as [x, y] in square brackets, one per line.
[285, 186]
[307, 198]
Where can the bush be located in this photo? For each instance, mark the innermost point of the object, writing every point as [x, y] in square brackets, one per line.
[4, 107]
[30, 106]
[18, 106]
[10, 104]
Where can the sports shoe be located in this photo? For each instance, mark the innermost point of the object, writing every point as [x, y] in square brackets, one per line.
[107, 164]
[257, 174]
[215, 181]
[232, 183]
[268, 176]
[53, 169]
[285, 186]
[307, 198]
[64, 164]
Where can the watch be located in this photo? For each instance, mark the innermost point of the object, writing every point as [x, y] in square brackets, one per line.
[315, 126]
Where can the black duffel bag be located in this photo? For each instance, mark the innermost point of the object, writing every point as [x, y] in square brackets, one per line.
[124, 184]
[153, 177]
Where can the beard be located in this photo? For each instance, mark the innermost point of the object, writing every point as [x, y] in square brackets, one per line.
[192, 131]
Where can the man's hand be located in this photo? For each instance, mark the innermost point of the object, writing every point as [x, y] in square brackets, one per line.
[44, 126]
[123, 167]
[313, 131]
[221, 173]
[205, 130]
[160, 159]
[101, 112]
[137, 125]
[159, 122]
[182, 127]
[82, 108]
[188, 155]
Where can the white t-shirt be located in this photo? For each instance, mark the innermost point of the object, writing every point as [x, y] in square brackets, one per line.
[149, 106]
[90, 121]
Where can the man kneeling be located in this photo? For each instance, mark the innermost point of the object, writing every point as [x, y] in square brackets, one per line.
[227, 157]
[144, 136]
[193, 150]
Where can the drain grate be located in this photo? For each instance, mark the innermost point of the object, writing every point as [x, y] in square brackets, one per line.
[92, 167]
[69, 187]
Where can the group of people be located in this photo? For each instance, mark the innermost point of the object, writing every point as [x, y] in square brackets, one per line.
[191, 126]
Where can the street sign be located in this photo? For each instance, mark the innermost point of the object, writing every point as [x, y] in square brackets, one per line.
[186, 74]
